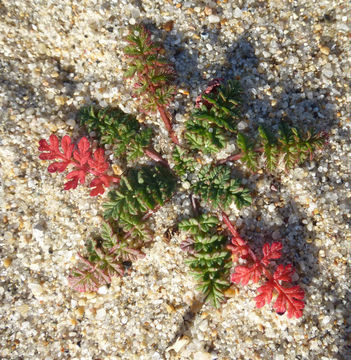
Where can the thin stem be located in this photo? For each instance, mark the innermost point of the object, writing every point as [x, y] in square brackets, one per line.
[195, 205]
[165, 118]
[236, 157]
[154, 155]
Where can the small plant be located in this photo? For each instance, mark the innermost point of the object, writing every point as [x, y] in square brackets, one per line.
[143, 189]
[288, 298]
[216, 186]
[153, 75]
[105, 259]
[292, 147]
[209, 260]
[83, 161]
[122, 131]
[215, 118]
[141, 192]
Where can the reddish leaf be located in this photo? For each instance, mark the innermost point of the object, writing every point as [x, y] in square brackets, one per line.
[244, 274]
[77, 175]
[290, 300]
[53, 152]
[83, 153]
[271, 252]
[239, 248]
[266, 293]
[211, 88]
[82, 161]
[284, 273]
[99, 182]
[98, 165]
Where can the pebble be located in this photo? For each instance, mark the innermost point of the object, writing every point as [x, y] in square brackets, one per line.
[214, 19]
[7, 262]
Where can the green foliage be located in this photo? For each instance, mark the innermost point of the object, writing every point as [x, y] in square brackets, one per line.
[291, 147]
[152, 72]
[210, 124]
[216, 186]
[270, 148]
[104, 259]
[247, 149]
[140, 191]
[210, 260]
[184, 163]
[115, 127]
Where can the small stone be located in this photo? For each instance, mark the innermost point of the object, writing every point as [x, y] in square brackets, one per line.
[79, 311]
[7, 262]
[231, 292]
[208, 11]
[60, 100]
[324, 50]
[242, 125]
[168, 26]
[213, 19]
[36, 289]
[23, 309]
[100, 314]
[237, 13]
[117, 170]
[170, 308]
[179, 344]
[90, 295]
[186, 185]
[321, 253]
[71, 123]
[202, 355]
[103, 290]
[132, 21]
[124, 320]
[276, 235]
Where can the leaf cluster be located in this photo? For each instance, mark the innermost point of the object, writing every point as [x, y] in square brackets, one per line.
[291, 147]
[116, 128]
[210, 260]
[212, 122]
[141, 191]
[105, 259]
[216, 186]
[153, 74]
[184, 163]
[289, 298]
[81, 158]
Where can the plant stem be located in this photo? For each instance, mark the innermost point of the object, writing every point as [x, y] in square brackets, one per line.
[236, 157]
[166, 120]
[154, 155]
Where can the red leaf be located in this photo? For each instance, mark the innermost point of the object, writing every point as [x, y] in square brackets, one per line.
[58, 166]
[211, 88]
[266, 293]
[239, 248]
[71, 184]
[83, 153]
[271, 252]
[244, 274]
[98, 183]
[98, 164]
[53, 152]
[284, 273]
[77, 174]
[290, 300]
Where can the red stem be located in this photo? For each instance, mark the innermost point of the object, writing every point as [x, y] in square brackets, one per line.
[167, 122]
[154, 155]
[236, 157]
